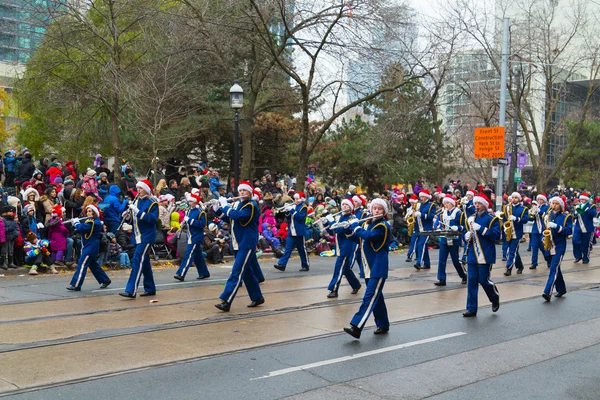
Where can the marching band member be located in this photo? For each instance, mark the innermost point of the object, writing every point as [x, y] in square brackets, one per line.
[561, 225]
[517, 215]
[484, 230]
[196, 221]
[243, 218]
[424, 219]
[297, 229]
[345, 255]
[145, 215]
[415, 233]
[374, 238]
[536, 231]
[452, 219]
[584, 228]
[468, 209]
[91, 232]
[360, 212]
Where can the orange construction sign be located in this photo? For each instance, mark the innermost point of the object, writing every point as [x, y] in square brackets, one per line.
[489, 142]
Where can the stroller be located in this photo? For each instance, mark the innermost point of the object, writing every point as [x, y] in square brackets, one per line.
[160, 248]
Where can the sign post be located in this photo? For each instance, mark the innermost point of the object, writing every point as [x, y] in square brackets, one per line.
[489, 143]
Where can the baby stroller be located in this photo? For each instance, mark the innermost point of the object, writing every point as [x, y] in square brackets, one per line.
[160, 248]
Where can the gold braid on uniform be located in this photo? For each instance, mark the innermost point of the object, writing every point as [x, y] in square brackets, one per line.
[87, 236]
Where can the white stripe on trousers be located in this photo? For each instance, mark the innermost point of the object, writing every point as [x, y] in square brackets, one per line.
[137, 279]
[423, 252]
[237, 285]
[83, 267]
[305, 252]
[189, 260]
[364, 318]
[555, 275]
[339, 278]
[491, 282]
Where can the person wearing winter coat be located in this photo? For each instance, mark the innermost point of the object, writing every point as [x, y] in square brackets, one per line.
[90, 185]
[3, 264]
[26, 169]
[54, 171]
[269, 234]
[48, 202]
[103, 185]
[113, 208]
[128, 182]
[124, 239]
[37, 254]
[11, 231]
[74, 204]
[37, 181]
[29, 222]
[57, 234]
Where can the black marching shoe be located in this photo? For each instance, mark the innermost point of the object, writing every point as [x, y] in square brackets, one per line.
[440, 283]
[352, 331]
[279, 267]
[507, 272]
[261, 280]
[127, 294]
[179, 278]
[202, 277]
[105, 284]
[546, 297]
[408, 259]
[495, 306]
[223, 306]
[256, 303]
[464, 280]
[74, 289]
[303, 269]
[577, 260]
[146, 294]
[417, 267]
[332, 295]
[560, 294]
[354, 291]
[503, 258]
[533, 267]
[519, 271]
[381, 331]
[469, 314]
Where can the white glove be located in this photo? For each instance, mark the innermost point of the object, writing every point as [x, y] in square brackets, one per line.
[499, 214]
[468, 236]
[76, 222]
[134, 208]
[417, 214]
[40, 225]
[344, 224]
[216, 205]
[471, 219]
[330, 218]
[124, 213]
[551, 225]
[223, 201]
[186, 219]
[512, 218]
[475, 226]
[454, 228]
[289, 207]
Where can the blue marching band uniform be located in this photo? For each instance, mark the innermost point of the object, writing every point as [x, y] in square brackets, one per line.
[452, 220]
[538, 228]
[468, 209]
[583, 229]
[243, 218]
[517, 215]
[424, 220]
[296, 218]
[196, 221]
[91, 232]
[345, 252]
[561, 226]
[359, 213]
[415, 234]
[484, 230]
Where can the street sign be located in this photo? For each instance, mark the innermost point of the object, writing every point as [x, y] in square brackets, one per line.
[495, 172]
[489, 142]
[517, 175]
[503, 161]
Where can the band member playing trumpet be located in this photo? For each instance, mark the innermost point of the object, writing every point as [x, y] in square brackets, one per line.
[424, 219]
[451, 219]
[374, 239]
[561, 226]
[538, 228]
[196, 221]
[413, 228]
[345, 254]
[514, 219]
[484, 230]
[296, 217]
[243, 218]
[584, 228]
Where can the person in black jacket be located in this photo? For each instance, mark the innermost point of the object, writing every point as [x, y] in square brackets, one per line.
[26, 169]
[124, 239]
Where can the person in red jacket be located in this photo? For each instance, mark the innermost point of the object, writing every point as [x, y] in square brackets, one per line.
[54, 171]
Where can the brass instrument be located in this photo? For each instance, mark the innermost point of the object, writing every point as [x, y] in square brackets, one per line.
[351, 221]
[410, 220]
[533, 212]
[509, 226]
[320, 219]
[284, 208]
[547, 235]
[476, 244]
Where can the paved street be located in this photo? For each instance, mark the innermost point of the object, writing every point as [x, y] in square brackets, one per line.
[97, 345]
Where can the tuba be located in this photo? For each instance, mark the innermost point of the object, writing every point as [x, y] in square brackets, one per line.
[547, 235]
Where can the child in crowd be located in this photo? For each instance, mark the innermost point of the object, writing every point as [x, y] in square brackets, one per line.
[116, 252]
[37, 253]
[11, 232]
[57, 234]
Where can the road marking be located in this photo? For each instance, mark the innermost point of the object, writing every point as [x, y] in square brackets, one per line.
[164, 284]
[358, 355]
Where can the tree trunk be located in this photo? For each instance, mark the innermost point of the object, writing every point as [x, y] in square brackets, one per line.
[304, 155]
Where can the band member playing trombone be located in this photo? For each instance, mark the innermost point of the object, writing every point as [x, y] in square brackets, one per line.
[345, 253]
[537, 214]
[296, 217]
[584, 228]
[560, 225]
[514, 218]
[243, 216]
[374, 239]
[451, 219]
[424, 219]
[484, 230]
[196, 221]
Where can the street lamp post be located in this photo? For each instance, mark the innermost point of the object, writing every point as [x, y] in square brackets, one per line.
[236, 101]
[513, 156]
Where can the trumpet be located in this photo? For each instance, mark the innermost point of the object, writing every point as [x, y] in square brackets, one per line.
[284, 208]
[351, 221]
[229, 200]
[318, 220]
[72, 220]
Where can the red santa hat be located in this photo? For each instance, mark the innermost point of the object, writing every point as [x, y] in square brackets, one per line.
[560, 201]
[193, 198]
[382, 203]
[256, 194]
[470, 192]
[584, 196]
[146, 186]
[449, 199]
[413, 198]
[245, 185]
[57, 210]
[94, 209]
[299, 196]
[348, 203]
[425, 193]
[542, 196]
[360, 200]
[482, 199]
[517, 195]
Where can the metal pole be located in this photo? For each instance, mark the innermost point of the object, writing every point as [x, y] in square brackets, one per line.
[236, 153]
[513, 157]
[502, 116]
